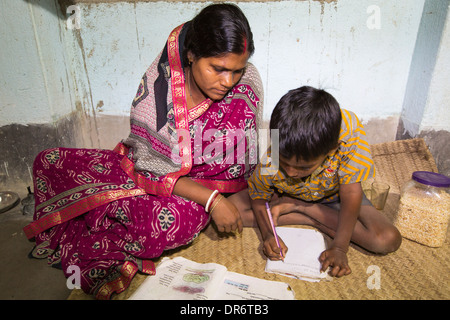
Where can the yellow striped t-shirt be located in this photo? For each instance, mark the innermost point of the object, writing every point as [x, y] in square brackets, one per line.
[351, 163]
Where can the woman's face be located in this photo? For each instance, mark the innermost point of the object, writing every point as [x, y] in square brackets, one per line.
[215, 76]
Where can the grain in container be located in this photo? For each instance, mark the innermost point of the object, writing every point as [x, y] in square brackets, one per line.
[424, 209]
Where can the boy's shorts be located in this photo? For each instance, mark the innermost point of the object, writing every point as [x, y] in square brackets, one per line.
[336, 205]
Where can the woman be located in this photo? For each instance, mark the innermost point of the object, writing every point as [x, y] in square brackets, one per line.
[110, 212]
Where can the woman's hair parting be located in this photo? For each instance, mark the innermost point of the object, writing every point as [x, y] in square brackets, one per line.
[309, 123]
[217, 30]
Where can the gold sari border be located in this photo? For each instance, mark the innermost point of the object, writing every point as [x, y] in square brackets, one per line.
[222, 185]
[180, 109]
[197, 111]
[77, 209]
[127, 272]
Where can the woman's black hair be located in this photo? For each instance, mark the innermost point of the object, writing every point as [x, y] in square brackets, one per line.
[217, 30]
[309, 123]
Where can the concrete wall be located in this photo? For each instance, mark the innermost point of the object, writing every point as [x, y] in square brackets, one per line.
[68, 77]
[426, 107]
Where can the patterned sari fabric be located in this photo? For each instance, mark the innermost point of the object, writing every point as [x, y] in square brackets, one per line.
[107, 213]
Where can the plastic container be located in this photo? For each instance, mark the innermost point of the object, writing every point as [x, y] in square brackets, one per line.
[424, 210]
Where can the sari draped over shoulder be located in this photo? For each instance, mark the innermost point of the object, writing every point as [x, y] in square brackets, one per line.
[109, 212]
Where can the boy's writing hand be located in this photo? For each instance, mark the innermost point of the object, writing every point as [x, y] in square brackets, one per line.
[336, 259]
[271, 250]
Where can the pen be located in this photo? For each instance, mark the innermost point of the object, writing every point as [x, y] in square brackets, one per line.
[273, 230]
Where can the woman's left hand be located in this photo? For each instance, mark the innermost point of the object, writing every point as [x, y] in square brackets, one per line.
[226, 216]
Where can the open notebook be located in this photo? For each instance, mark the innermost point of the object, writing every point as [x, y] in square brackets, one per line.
[302, 258]
[180, 278]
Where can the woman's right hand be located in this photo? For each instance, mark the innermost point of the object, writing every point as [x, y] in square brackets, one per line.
[224, 213]
[226, 216]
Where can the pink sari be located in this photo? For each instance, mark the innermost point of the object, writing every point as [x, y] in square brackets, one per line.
[109, 212]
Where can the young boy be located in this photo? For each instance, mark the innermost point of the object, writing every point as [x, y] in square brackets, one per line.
[323, 158]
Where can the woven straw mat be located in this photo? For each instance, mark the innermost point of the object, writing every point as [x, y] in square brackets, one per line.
[414, 271]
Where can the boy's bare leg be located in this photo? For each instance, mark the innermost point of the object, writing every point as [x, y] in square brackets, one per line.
[241, 200]
[373, 231]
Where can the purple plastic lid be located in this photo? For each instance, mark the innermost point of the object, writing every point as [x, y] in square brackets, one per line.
[431, 179]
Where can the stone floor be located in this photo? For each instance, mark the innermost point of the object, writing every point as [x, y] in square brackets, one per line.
[22, 278]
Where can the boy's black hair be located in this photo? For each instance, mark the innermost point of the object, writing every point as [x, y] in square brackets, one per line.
[309, 123]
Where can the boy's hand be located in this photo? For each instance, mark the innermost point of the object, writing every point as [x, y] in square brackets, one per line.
[271, 250]
[336, 259]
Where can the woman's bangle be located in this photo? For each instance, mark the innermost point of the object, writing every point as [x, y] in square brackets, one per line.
[211, 200]
[217, 202]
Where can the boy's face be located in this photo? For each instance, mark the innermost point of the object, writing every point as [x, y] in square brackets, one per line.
[298, 168]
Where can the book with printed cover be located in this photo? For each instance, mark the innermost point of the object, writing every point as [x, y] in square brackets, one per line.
[183, 279]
